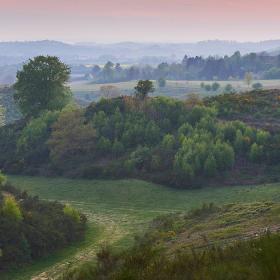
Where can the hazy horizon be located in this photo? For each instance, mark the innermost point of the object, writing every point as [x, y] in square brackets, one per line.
[135, 41]
[178, 21]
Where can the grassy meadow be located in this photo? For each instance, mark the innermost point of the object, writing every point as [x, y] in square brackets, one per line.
[88, 91]
[119, 209]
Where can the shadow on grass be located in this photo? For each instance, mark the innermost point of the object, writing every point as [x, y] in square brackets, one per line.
[93, 234]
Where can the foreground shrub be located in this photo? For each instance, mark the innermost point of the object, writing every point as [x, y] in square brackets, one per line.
[30, 228]
[11, 209]
[249, 260]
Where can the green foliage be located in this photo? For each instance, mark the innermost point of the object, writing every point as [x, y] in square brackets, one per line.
[205, 150]
[160, 139]
[199, 154]
[205, 210]
[103, 145]
[71, 141]
[168, 142]
[118, 148]
[229, 89]
[210, 166]
[161, 82]
[140, 159]
[152, 133]
[41, 85]
[31, 228]
[253, 259]
[257, 86]
[185, 130]
[224, 155]
[210, 242]
[272, 73]
[35, 130]
[11, 209]
[215, 86]
[256, 153]
[136, 202]
[72, 213]
[197, 68]
[143, 88]
[3, 179]
[208, 87]
[198, 112]
[2, 116]
[262, 137]
[32, 142]
[260, 105]
[9, 111]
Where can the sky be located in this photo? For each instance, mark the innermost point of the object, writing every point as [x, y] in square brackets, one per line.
[139, 20]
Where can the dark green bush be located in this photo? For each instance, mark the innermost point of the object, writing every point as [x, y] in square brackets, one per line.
[31, 228]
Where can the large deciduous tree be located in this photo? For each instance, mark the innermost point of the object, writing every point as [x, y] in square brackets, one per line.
[41, 85]
[143, 88]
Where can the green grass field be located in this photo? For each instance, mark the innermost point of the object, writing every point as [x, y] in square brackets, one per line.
[89, 91]
[119, 209]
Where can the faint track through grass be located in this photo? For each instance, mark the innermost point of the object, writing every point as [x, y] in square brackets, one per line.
[121, 209]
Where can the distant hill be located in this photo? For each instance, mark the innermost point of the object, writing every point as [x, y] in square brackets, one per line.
[275, 52]
[126, 52]
[13, 54]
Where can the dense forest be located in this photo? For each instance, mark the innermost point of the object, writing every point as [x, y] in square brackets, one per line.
[31, 228]
[262, 66]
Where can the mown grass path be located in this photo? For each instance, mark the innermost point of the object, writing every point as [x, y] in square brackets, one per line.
[120, 209]
[110, 234]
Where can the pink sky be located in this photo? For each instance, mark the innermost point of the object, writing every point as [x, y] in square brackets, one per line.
[139, 20]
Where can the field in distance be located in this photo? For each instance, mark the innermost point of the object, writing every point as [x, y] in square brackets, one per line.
[88, 91]
[122, 208]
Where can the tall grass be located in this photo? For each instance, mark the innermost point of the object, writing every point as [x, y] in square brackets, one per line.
[249, 260]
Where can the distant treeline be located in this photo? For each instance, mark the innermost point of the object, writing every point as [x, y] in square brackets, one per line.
[262, 66]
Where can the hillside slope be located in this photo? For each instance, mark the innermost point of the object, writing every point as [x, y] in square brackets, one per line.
[260, 109]
[125, 208]
[236, 241]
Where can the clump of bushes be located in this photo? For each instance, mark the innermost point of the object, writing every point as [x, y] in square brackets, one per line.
[31, 228]
[256, 102]
[159, 139]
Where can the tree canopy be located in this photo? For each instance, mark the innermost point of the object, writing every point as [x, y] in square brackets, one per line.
[41, 85]
[143, 88]
[175, 142]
